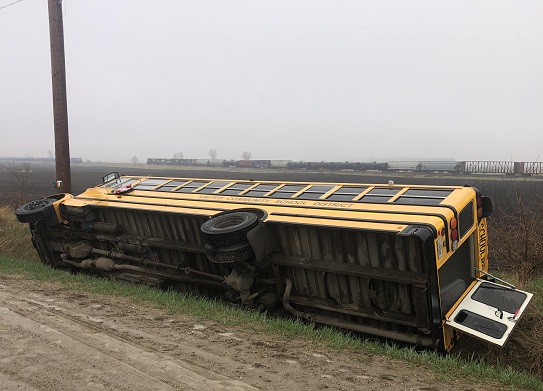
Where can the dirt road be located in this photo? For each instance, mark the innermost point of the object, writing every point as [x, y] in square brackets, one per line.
[55, 339]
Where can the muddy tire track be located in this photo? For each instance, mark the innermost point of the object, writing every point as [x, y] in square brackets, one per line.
[52, 338]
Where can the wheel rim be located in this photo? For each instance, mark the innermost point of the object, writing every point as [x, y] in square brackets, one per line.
[231, 221]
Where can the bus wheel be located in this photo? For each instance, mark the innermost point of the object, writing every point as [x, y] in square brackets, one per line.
[228, 229]
[36, 210]
[235, 253]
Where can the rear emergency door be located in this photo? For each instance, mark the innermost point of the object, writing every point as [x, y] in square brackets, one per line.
[489, 311]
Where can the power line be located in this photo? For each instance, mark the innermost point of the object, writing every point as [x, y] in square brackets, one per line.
[7, 5]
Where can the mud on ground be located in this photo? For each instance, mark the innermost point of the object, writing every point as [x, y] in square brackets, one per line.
[54, 339]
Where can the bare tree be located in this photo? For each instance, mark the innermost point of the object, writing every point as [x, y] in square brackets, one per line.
[246, 155]
[50, 154]
[134, 160]
[213, 153]
[22, 172]
[178, 155]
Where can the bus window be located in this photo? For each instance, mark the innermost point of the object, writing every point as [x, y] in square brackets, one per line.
[456, 273]
[466, 219]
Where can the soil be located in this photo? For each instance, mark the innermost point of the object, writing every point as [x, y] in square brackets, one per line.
[55, 339]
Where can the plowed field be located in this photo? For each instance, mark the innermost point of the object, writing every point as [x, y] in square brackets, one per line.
[502, 190]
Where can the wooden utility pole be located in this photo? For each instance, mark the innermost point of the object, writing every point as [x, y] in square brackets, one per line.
[60, 107]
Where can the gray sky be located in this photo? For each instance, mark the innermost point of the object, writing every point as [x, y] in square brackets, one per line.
[301, 80]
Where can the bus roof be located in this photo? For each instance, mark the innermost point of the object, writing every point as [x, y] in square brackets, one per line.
[387, 207]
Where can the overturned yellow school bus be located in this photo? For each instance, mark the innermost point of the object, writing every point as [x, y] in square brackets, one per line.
[407, 263]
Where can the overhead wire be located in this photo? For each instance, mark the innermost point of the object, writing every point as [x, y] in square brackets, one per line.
[10, 4]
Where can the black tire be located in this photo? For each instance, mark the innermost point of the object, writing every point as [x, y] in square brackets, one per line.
[37, 210]
[236, 253]
[228, 229]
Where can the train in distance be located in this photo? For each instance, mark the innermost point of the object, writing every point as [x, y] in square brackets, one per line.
[429, 166]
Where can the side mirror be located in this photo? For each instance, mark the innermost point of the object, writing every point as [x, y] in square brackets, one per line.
[487, 206]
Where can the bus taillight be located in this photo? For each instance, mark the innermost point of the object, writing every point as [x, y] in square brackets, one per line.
[454, 233]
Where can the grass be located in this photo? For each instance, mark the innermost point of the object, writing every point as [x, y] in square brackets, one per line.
[15, 237]
[17, 257]
[447, 367]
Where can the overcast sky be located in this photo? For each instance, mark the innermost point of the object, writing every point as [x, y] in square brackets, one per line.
[301, 80]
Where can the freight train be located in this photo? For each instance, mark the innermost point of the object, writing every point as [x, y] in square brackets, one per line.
[435, 166]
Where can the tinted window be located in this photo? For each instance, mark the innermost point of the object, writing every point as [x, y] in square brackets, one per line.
[481, 324]
[265, 188]
[502, 298]
[292, 188]
[310, 195]
[171, 185]
[387, 192]
[236, 188]
[427, 193]
[281, 194]
[418, 201]
[350, 190]
[346, 193]
[340, 197]
[213, 187]
[191, 187]
[207, 190]
[374, 199]
[466, 219]
[254, 193]
[426, 197]
[230, 192]
[150, 184]
[287, 191]
[218, 184]
[320, 189]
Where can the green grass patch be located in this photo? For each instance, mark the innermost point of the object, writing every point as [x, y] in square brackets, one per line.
[447, 368]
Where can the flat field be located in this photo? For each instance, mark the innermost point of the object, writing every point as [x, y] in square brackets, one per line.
[503, 190]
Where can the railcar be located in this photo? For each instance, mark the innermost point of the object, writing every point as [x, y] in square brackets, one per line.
[529, 168]
[279, 163]
[403, 165]
[439, 166]
[487, 167]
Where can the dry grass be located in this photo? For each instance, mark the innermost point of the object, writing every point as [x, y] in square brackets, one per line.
[15, 237]
[524, 350]
[516, 252]
[516, 234]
